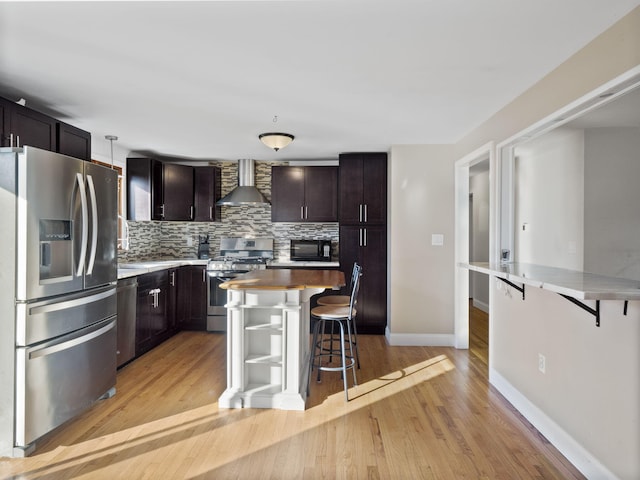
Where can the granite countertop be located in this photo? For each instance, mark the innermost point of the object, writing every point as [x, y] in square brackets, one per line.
[576, 284]
[132, 269]
[286, 279]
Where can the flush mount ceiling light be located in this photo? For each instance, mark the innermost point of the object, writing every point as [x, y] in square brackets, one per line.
[276, 140]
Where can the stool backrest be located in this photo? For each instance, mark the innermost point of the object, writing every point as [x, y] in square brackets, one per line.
[355, 287]
[354, 273]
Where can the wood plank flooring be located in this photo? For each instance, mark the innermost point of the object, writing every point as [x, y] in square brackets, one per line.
[418, 413]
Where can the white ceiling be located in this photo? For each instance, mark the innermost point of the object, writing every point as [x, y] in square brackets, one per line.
[202, 79]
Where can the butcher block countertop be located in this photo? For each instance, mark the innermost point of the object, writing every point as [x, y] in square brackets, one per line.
[285, 279]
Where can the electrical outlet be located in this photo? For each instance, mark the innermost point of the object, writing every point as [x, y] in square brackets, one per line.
[542, 363]
[189, 241]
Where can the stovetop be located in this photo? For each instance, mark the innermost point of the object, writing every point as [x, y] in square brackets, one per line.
[242, 254]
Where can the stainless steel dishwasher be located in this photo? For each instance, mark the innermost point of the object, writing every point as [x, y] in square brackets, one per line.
[127, 291]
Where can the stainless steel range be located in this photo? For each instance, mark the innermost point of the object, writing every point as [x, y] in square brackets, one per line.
[237, 256]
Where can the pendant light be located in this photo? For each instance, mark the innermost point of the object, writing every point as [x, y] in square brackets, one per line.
[111, 138]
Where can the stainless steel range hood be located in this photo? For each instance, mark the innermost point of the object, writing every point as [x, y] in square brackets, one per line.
[245, 193]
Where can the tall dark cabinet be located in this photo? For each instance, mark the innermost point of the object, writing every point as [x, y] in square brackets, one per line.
[362, 192]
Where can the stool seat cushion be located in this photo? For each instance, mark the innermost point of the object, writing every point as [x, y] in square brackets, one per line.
[332, 312]
[340, 300]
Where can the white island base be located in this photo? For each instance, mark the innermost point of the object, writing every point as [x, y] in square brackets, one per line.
[267, 348]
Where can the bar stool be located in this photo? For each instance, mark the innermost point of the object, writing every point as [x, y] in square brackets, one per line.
[342, 317]
[339, 300]
[342, 301]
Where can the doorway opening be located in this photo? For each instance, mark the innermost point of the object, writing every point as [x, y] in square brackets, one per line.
[475, 188]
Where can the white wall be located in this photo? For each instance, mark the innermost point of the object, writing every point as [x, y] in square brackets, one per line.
[479, 248]
[612, 202]
[421, 203]
[549, 197]
[590, 389]
[589, 402]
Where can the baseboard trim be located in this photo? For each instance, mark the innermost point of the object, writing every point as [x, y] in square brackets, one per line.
[559, 438]
[481, 305]
[419, 340]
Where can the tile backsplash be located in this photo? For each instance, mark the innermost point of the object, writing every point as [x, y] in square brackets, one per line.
[152, 240]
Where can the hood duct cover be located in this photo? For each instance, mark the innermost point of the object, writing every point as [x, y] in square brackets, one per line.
[245, 193]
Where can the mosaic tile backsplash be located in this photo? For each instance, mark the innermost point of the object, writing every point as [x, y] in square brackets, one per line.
[154, 240]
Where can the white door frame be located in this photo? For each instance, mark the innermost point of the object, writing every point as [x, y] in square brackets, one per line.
[461, 298]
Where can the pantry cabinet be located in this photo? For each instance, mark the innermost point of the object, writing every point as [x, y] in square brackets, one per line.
[363, 188]
[363, 232]
[368, 246]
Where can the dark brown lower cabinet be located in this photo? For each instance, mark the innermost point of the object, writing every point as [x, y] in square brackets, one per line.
[152, 323]
[367, 246]
[192, 297]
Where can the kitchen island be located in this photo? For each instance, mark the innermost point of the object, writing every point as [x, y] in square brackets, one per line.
[268, 336]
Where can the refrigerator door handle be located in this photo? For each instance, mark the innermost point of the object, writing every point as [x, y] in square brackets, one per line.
[94, 224]
[42, 352]
[85, 227]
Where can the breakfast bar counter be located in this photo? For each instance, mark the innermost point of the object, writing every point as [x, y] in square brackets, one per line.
[268, 329]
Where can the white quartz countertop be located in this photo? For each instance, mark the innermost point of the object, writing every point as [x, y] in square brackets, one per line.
[132, 269]
[576, 284]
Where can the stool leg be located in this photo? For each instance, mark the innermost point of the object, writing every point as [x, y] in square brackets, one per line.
[344, 362]
[351, 344]
[355, 342]
[312, 354]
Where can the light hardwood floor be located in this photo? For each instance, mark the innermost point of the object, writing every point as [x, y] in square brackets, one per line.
[418, 413]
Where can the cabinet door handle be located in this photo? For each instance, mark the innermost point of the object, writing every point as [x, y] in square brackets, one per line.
[365, 213]
[364, 237]
[359, 237]
[204, 275]
[191, 214]
[301, 212]
[162, 211]
[11, 140]
[172, 278]
[154, 300]
[306, 212]
[210, 212]
[360, 212]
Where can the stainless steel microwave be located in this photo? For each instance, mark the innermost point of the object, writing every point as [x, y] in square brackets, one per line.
[311, 250]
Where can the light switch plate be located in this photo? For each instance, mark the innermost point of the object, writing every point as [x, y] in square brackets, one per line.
[437, 239]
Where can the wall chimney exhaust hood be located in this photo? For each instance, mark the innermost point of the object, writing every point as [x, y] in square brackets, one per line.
[245, 193]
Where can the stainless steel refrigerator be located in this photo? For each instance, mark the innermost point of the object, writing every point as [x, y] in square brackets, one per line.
[58, 274]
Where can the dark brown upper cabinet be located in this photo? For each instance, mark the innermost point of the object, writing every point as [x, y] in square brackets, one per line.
[304, 194]
[159, 191]
[207, 191]
[363, 188]
[73, 141]
[24, 126]
[20, 126]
